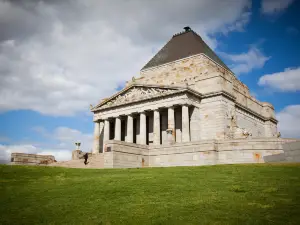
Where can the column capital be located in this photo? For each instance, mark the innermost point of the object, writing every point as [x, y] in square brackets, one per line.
[130, 114]
[111, 118]
[122, 116]
[186, 104]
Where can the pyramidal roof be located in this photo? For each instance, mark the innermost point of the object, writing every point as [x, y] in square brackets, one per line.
[183, 45]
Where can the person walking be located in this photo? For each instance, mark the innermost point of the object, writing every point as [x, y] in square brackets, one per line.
[86, 156]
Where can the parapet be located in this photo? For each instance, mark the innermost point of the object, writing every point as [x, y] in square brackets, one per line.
[268, 110]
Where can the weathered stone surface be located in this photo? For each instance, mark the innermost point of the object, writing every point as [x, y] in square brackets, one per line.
[31, 159]
[209, 152]
[94, 161]
[191, 111]
[291, 153]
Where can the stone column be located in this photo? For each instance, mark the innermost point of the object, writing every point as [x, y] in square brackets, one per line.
[171, 126]
[118, 129]
[129, 129]
[156, 127]
[106, 134]
[101, 136]
[143, 128]
[96, 145]
[185, 124]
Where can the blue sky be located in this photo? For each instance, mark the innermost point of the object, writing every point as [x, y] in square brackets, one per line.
[57, 58]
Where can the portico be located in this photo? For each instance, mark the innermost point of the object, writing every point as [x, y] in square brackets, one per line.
[148, 127]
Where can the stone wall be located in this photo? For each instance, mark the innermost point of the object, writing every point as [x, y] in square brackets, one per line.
[254, 125]
[202, 74]
[247, 150]
[291, 153]
[125, 155]
[195, 122]
[208, 152]
[183, 154]
[31, 159]
[205, 76]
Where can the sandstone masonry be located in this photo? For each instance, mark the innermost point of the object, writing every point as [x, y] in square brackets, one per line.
[186, 108]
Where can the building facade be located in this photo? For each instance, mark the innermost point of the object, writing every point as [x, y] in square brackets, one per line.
[186, 108]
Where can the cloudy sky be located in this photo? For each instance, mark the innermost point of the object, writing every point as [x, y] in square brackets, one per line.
[59, 56]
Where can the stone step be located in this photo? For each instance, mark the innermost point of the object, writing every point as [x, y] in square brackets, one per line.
[95, 161]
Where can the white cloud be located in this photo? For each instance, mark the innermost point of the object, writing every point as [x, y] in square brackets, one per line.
[275, 6]
[246, 62]
[288, 80]
[289, 121]
[67, 137]
[57, 57]
[64, 138]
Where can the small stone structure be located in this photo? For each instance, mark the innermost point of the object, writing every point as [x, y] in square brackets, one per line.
[31, 159]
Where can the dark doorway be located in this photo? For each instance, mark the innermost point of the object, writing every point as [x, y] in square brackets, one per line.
[123, 130]
[112, 130]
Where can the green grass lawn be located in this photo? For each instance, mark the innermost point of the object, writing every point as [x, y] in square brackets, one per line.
[223, 194]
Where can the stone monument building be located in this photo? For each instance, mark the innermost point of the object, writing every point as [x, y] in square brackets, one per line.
[186, 108]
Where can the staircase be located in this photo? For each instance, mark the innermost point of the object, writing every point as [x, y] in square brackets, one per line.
[95, 161]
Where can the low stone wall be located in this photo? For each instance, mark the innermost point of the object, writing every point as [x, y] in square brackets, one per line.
[125, 155]
[291, 153]
[183, 154]
[247, 150]
[31, 159]
[210, 152]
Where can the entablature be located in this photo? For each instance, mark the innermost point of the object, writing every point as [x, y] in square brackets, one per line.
[140, 93]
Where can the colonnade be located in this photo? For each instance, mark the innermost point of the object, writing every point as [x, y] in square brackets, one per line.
[104, 125]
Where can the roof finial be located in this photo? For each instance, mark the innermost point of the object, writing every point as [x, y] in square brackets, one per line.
[187, 29]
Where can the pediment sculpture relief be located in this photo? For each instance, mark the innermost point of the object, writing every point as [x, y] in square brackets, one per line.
[136, 94]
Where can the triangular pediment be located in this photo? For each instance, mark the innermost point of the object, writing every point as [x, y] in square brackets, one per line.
[135, 94]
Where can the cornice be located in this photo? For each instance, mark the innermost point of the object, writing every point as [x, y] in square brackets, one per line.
[192, 56]
[255, 113]
[181, 90]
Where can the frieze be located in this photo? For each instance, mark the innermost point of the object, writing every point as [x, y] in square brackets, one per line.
[137, 94]
[151, 104]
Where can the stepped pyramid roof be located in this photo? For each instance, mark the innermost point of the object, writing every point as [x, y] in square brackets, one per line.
[182, 45]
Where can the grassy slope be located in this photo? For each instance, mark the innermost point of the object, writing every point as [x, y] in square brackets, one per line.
[224, 194]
